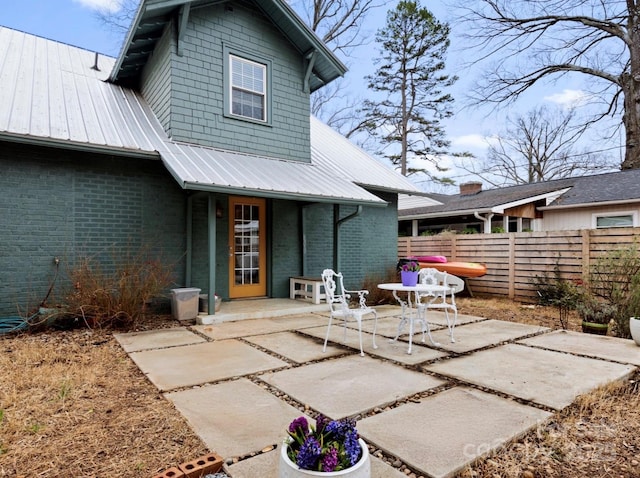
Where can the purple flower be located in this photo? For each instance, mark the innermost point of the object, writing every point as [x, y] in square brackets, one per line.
[332, 445]
[322, 422]
[330, 460]
[352, 447]
[309, 454]
[300, 422]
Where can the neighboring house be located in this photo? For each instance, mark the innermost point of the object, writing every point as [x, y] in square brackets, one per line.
[588, 202]
[197, 142]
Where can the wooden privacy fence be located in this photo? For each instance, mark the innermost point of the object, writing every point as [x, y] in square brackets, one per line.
[514, 260]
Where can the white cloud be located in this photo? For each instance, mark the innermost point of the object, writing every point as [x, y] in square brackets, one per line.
[568, 98]
[471, 141]
[106, 6]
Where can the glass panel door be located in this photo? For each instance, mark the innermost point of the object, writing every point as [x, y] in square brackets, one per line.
[247, 248]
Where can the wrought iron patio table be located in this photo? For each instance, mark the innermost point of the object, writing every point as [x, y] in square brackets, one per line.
[409, 310]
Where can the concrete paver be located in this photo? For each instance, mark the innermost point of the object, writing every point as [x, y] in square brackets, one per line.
[265, 465]
[388, 327]
[155, 339]
[478, 335]
[248, 327]
[607, 348]
[349, 385]
[437, 436]
[235, 418]
[392, 350]
[337, 336]
[546, 377]
[201, 363]
[444, 432]
[295, 347]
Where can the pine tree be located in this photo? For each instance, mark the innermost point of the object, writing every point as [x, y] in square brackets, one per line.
[410, 79]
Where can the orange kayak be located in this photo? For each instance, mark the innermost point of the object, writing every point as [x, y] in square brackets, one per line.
[462, 269]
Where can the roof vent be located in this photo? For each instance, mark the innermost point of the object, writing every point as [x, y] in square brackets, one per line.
[469, 189]
[95, 63]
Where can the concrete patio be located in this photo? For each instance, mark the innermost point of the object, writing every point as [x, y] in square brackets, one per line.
[239, 383]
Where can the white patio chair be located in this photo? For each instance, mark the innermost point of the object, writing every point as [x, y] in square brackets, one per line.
[338, 299]
[438, 299]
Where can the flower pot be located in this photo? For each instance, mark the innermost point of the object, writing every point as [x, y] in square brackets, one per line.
[362, 469]
[409, 278]
[593, 328]
[634, 327]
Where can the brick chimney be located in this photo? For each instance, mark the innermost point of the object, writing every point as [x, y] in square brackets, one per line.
[469, 189]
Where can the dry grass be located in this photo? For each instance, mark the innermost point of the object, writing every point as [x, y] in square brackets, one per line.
[73, 404]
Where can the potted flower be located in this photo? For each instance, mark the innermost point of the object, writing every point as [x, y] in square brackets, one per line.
[596, 314]
[409, 272]
[331, 448]
[632, 309]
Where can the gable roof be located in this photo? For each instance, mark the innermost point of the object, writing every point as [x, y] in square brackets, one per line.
[600, 189]
[51, 96]
[154, 15]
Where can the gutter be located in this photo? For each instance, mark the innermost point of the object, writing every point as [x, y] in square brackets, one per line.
[486, 220]
[282, 195]
[444, 214]
[620, 202]
[87, 147]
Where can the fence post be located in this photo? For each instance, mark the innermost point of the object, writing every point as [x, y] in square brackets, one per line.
[512, 266]
[453, 247]
[586, 254]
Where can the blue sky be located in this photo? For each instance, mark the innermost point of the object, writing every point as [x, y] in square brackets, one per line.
[75, 22]
[68, 21]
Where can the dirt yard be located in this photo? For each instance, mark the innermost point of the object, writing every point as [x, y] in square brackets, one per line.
[73, 404]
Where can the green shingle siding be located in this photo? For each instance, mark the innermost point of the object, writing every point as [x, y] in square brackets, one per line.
[195, 89]
[156, 81]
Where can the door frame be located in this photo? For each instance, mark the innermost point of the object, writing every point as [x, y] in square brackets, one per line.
[259, 289]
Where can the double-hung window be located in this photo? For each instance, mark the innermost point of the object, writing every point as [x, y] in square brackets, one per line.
[248, 83]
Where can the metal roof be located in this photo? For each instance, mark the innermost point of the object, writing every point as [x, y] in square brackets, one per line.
[50, 90]
[338, 155]
[50, 95]
[154, 15]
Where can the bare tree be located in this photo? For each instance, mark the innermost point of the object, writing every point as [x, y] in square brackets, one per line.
[338, 23]
[118, 21]
[539, 146]
[535, 40]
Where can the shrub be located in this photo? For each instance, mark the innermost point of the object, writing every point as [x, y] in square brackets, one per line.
[594, 310]
[558, 292]
[118, 297]
[378, 296]
[616, 278]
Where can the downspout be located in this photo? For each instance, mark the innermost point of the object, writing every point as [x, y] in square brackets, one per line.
[303, 240]
[336, 232]
[486, 220]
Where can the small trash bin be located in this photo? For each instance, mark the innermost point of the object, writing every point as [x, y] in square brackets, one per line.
[184, 303]
[204, 303]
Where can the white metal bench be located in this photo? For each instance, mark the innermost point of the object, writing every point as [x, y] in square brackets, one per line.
[307, 287]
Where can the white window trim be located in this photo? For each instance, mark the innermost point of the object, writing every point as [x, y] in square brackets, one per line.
[596, 216]
[265, 93]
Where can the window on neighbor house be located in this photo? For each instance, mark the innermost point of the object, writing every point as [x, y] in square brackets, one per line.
[248, 82]
[615, 220]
